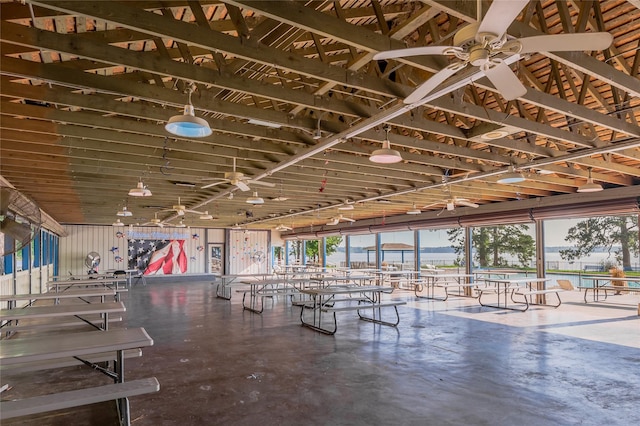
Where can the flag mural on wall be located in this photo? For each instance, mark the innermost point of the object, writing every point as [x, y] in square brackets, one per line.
[158, 257]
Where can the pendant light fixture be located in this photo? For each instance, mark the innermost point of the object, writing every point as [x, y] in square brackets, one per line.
[385, 155]
[590, 186]
[512, 177]
[414, 210]
[117, 223]
[188, 125]
[124, 212]
[206, 216]
[254, 199]
[140, 190]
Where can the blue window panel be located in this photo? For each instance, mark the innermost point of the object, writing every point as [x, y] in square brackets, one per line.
[8, 259]
[37, 250]
[45, 248]
[56, 248]
[25, 257]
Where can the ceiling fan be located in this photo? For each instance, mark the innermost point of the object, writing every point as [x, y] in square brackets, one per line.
[485, 45]
[451, 203]
[340, 218]
[155, 221]
[238, 179]
[282, 227]
[181, 209]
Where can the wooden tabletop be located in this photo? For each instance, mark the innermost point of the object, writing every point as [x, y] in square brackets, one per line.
[42, 348]
[61, 310]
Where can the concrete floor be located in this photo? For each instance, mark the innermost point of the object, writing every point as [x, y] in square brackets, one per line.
[447, 363]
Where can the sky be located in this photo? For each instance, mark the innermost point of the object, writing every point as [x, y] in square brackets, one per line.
[555, 233]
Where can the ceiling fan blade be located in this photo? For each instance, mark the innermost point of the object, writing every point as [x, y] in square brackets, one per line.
[467, 203]
[214, 184]
[347, 219]
[333, 222]
[431, 205]
[428, 86]
[500, 15]
[566, 42]
[259, 182]
[194, 212]
[242, 186]
[415, 51]
[504, 80]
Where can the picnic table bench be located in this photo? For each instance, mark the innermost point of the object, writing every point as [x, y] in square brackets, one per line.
[602, 284]
[327, 300]
[505, 288]
[47, 352]
[75, 310]
[81, 294]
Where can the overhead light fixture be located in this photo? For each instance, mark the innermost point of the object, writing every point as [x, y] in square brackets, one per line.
[124, 212]
[181, 224]
[117, 223]
[590, 186]
[348, 205]
[254, 199]
[414, 210]
[264, 123]
[512, 177]
[318, 134]
[140, 191]
[385, 155]
[187, 124]
[206, 216]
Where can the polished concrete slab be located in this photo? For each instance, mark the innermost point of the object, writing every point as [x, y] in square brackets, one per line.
[447, 363]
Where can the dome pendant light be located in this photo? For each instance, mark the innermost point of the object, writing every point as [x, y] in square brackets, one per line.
[590, 186]
[187, 124]
[140, 190]
[254, 199]
[512, 177]
[385, 155]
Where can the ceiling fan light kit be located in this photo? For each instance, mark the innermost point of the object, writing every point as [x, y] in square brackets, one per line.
[188, 125]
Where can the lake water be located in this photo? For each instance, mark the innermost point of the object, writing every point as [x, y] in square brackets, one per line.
[553, 260]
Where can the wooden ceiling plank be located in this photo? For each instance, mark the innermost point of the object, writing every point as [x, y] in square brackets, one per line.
[151, 23]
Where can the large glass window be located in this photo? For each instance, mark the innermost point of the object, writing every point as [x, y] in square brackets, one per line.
[595, 245]
[437, 249]
[336, 251]
[397, 250]
[504, 246]
[361, 257]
